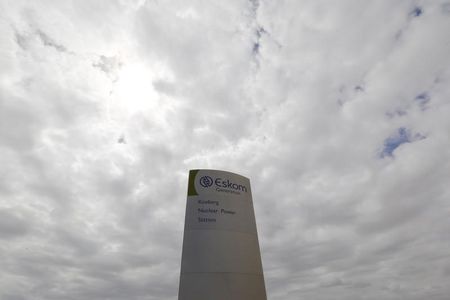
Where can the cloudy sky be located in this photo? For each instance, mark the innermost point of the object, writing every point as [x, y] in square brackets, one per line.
[337, 111]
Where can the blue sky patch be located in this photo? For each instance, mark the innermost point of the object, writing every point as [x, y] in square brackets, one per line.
[255, 49]
[402, 136]
[417, 11]
[391, 143]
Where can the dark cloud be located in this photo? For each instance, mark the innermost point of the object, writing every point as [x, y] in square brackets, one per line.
[422, 100]
[110, 65]
[49, 42]
[12, 225]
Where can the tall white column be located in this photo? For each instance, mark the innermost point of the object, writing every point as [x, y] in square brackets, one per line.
[221, 258]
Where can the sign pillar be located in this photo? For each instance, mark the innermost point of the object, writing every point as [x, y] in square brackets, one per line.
[221, 258]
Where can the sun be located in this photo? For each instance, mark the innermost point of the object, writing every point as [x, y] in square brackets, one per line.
[133, 91]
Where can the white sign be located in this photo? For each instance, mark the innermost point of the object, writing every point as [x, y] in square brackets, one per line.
[221, 257]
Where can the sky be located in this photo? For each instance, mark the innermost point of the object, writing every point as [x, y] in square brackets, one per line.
[337, 111]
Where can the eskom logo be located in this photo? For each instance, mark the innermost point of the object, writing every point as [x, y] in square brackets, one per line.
[206, 181]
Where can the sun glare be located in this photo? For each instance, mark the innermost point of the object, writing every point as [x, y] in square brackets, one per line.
[133, 90]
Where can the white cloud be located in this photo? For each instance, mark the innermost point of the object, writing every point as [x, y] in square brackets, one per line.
[106, 105]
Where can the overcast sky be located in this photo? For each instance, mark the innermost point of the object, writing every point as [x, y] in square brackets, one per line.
[337, 111]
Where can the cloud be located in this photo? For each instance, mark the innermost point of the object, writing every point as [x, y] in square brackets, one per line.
[338, 113]
[12, 225]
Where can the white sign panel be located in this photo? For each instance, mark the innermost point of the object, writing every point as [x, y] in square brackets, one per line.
[221, 258]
